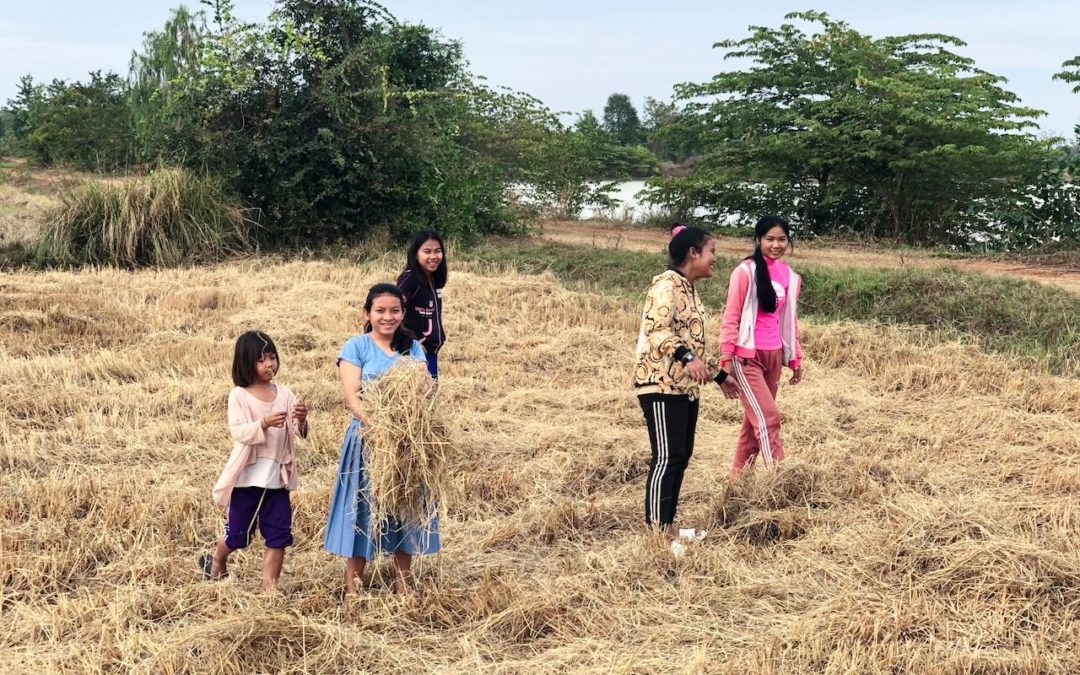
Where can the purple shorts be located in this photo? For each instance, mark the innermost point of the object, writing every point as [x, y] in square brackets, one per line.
[272, 514]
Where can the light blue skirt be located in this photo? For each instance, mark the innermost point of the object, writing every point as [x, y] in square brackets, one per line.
[348, 528]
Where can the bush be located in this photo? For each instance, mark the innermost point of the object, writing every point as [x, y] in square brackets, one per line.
[169, 217]
[85, 125]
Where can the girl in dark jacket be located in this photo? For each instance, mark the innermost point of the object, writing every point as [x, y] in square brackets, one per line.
[422, 283]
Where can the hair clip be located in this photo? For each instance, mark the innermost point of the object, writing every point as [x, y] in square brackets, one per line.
[677, 229]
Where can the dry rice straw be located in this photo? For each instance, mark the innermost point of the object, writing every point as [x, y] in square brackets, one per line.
[405, 447]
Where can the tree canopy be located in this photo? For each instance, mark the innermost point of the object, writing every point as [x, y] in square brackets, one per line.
[895, 136]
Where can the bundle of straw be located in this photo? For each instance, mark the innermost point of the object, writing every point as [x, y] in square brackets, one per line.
[405, 446]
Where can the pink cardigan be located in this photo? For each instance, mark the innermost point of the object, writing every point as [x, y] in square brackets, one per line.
[251, 441]
[740, 315]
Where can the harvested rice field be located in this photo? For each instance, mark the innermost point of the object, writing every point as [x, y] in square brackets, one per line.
[925, 521]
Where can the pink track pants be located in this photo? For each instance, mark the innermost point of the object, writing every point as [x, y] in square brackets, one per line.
[758, 378]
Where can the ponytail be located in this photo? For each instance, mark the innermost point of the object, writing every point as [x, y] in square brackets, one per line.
[766, 294]
[402, 341]
[683, 239]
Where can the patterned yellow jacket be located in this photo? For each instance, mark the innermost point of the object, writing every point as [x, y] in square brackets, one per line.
[673, 318]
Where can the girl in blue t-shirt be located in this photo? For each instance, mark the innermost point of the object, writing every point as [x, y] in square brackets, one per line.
[349, 531]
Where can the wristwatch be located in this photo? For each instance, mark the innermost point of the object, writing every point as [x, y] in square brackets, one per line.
[688, 357]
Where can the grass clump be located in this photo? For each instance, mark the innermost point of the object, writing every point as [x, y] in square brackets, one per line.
[171, 216]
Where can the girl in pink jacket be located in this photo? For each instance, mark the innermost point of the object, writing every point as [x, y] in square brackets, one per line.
[264, 419]
[759, 335]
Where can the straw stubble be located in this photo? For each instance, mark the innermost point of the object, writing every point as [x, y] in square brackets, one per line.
[925, 519]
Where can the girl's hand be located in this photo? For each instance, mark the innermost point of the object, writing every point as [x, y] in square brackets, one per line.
[796, 376]
[730, 389]
[300, 414]
[274, 419]
[699, 372]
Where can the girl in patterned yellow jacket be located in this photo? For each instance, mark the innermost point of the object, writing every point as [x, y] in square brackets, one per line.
[671, 366]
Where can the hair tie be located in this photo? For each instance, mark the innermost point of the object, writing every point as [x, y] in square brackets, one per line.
[677, 229]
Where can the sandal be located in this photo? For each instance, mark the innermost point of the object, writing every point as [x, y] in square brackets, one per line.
[206, 566]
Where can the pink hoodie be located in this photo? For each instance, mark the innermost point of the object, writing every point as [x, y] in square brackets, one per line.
[741, 314]
[251, 441]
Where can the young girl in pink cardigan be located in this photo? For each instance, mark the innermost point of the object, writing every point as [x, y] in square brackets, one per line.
[759, 335]
[264, 418]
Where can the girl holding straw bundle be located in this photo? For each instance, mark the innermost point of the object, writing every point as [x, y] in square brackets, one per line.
[671, 366]
[264, 418]
[759, 335]
[422, 282]
[350, 530]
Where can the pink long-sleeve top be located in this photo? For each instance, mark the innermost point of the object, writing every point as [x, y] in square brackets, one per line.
[743, 317]
[767, 324]
[252, 443]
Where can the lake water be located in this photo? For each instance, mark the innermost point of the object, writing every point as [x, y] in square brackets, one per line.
[631, 208]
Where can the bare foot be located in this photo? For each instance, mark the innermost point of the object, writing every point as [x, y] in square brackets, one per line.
[407, 593]
[219, 567]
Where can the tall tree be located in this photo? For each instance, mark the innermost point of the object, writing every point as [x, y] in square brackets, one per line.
[335, 118]
[158, 75]
[1071, 74]
[897, 135]
[621, 119]
[26, 107]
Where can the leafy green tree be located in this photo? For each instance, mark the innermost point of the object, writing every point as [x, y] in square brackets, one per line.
[7, 130]
[1045, 212]
[84, 125]
[159, 73]
[606, 157]
[23, 114]
[621, 120]
[335, 118]
[658, 116]
[505, 127]
[588, 126]
[1071, 74]
[669, 135]
[894, 136]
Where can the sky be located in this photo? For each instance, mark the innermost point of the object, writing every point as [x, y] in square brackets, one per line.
[573, 54]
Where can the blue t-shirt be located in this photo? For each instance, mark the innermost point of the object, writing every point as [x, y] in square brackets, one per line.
[362, 352]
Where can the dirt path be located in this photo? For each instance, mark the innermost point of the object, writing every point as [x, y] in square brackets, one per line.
[605, 235]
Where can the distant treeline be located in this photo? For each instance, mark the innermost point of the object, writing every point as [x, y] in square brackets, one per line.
[335, 118]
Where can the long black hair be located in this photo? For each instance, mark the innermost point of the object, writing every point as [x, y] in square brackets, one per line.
[438, 277]
[766, 294]
[683, 239]
[250, 347]
[403, 339]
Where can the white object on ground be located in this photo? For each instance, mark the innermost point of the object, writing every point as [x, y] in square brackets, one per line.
[690, 534]
[678, 549]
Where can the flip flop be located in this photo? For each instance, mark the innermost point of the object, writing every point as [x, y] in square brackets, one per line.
[206, 565]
